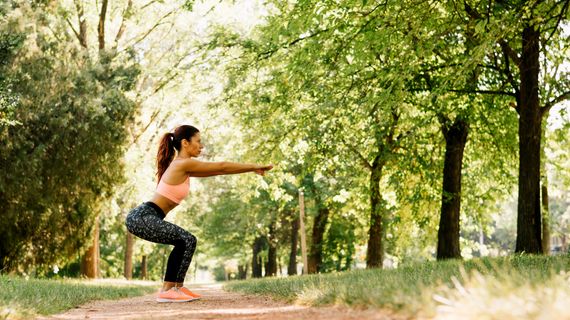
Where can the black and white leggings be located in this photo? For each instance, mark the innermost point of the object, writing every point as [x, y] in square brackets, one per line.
[147, 222]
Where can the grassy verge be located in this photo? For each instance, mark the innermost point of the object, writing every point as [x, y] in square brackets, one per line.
[522, 286]
[24, 299]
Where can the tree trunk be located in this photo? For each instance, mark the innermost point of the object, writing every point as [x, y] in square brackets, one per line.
[292, 267]
[545, 218]
[316, 252]
[448, 232]
[90, 262]
[144, 268]
[530, 119]
[242, 271]
[129, 256]
[271, 266]
[126, 14]
[544, 195]
[3, 264]
[271, 269]
[256, 262]
[82, 35]
[375, 250]
[101, 26]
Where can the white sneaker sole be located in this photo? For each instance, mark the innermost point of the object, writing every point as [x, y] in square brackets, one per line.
[170, 300]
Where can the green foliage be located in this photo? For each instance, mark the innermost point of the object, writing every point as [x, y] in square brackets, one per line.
[341, 86]
[10, 44]
[60, 156]
[339, 244]
[322, 89]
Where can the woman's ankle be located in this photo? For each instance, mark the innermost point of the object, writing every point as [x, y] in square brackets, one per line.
[167, 285]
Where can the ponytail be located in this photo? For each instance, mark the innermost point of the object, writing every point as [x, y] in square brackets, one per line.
[169, 143]
[165, 154]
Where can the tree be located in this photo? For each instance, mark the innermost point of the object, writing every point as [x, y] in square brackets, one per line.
[335, 94]
[532, 30]
[448, 233]
[65, 144]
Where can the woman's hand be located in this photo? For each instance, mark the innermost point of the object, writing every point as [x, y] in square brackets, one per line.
[261, 169]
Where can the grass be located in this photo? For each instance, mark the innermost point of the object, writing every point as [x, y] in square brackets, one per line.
[22, 298]
[478, 288]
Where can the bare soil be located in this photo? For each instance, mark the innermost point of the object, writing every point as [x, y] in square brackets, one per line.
[215, 304]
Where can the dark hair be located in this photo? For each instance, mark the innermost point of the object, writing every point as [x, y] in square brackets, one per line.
[169, 142]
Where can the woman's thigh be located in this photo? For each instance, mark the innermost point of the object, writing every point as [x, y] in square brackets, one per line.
[152, 228]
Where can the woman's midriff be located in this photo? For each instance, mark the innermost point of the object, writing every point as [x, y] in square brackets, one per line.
[164, 203]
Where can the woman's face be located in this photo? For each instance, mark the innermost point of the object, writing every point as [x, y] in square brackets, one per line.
[194, 146]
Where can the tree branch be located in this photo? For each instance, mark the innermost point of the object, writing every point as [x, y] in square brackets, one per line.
[73, 29]
[82, 35]
[125, 16]
[158, 23]
[493, 92]
[390, 136]
[340, 49]
[267, 54]
[507, 71]
[444, 121]
[510, 52]
[101, 27]
[560, 17]
[358, 154]
[551, 103]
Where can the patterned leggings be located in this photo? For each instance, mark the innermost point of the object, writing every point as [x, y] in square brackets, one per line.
[147, 222]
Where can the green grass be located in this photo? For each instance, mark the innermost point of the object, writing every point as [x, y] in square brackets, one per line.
[425, 288]
[22, 299]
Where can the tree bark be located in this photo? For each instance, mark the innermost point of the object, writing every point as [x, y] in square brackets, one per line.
[144, 268]
[242, 271]
[544, 196]
[292, 267]
[101, 26]
[90, 261]
[529, 238]
[271, 269]
[257, 262]
[545, 218]
[375, 250]
[316, 252]
[82, 36]
[448, 232]
[271, 266]
[122, 28]
[129, 256]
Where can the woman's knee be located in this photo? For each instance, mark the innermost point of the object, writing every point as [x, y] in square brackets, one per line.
[190, 239]
[187, 239]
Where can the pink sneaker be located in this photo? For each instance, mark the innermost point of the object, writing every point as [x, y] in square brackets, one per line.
[173, 295]
[187, 292]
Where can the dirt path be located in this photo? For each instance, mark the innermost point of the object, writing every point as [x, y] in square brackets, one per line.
[215, 304]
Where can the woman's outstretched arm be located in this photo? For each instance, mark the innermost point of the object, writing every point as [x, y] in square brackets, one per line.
[196, 168]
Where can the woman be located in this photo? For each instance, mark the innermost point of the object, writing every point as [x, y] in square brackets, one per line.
[176, 163]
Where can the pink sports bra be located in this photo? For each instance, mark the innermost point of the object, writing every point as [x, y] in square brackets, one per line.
[176, 193]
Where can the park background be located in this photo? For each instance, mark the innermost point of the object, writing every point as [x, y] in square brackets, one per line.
[417, 130]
